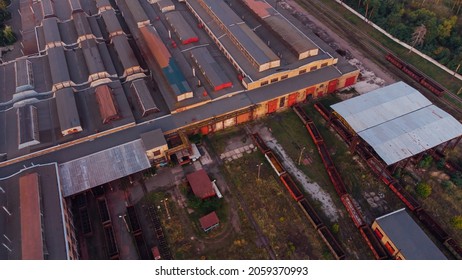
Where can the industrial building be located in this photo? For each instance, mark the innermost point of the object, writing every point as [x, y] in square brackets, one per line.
[35, 223]
[404, 239]
[398, 122]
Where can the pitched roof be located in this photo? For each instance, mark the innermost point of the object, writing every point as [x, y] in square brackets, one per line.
[408, 237]
[201, 184]
[31, 221]
[209, 220]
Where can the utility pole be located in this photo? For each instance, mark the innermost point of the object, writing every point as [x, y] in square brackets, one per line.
[258, 174]
[300, 157]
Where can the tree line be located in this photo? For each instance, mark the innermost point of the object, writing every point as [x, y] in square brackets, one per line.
[432, 26]
[7, 36]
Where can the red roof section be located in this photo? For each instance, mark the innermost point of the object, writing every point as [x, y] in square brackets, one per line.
[31, 227]
[209, 220]
[106, 104]
[200, 184]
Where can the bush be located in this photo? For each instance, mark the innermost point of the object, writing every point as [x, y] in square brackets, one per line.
[426, 162]
[456, 222]
[456, 178]
[423, 190]
[335, 228]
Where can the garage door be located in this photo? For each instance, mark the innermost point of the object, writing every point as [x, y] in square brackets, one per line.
[272, 106]
[332, 86]
[244, 117]
[229, 122]
[292, 99]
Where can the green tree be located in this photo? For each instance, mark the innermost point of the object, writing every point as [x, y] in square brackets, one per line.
[423, 190]
[9, 34]
[456, 222]
[445, 28]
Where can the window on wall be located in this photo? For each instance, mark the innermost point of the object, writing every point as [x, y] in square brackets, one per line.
[274, 80]
[282, 101]
[324, 64]
[156, 153]
[264, 83]
[313, 68]
[302, 71]
[284, 77]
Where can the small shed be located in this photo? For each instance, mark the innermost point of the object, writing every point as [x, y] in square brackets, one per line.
[200, 184]
[209, 221]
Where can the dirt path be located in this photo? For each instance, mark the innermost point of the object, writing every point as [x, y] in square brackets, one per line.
[316, 192]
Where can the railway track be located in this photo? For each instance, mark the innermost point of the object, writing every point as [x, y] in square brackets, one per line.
[375, 51]
[380, 170]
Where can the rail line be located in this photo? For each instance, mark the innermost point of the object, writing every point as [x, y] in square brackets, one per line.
[298, 196]
[358, 219]
[381, 171]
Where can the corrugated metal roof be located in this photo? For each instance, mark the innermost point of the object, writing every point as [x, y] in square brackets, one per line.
[141, 92]
[408, 237]
[398, 122]
[380, 105]
[102, 167]
[81, 24]
[412, 133]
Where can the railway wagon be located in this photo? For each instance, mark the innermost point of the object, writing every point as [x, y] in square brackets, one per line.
[330, 241]
[291, 187]
[432, 225]
[310, 213]
[260, 143]
[373, 243]
[302, 115]
[415, 74]
[454, 248]
[274, 162]
[352, 210]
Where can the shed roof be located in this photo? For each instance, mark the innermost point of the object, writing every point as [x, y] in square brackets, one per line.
[201, 184]
[408, 237]
[209, 66]
[58, 65]
[299, 42]
[31, 221]
[209, 220]
[125, 52]
[96, 169]
[244, 36]
[137, 11]
[111, 21]
[106, 103]
[27, 126]
[182, 28]
[48, 9]
[67, 109]
[51, 30]
[398, 122]
[153, 139]
[141, 91]
[381, 105]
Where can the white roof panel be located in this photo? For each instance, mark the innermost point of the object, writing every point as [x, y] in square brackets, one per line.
[380, 105]
[398, 122]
